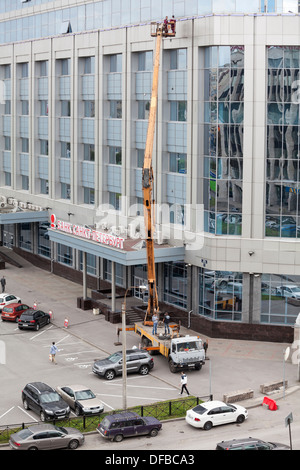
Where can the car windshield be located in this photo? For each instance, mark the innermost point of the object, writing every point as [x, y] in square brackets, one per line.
[200, 409]
[49, 397]
[24, 434]
[114, 357]
[295, 289]
[84, 395]
[189, 346]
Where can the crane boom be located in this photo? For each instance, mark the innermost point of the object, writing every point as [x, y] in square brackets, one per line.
[147, 179]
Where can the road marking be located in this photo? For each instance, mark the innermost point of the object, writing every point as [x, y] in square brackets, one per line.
[57, 342]
[140, 398]
[141, 386]
[42, 332]
[7, 412]
[24, 411]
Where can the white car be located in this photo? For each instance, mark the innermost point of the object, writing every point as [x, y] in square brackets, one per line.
[290, 291]
[6, 299]
[212, 413]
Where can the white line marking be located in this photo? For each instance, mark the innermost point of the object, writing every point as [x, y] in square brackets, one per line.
[33, 337]
[7, 412]
[27, 413]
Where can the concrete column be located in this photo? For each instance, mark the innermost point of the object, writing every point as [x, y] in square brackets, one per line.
[84, 293]
[113, 286]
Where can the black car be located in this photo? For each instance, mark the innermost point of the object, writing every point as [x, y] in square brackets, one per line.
[45, 401]
[136, 361]
[250, 443]
[33, 319]
[127, 424]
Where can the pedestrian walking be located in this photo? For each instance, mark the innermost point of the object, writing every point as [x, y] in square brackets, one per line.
[183, 382]
[167, 323]
[53, 351]
[155, 323]
[3, 283]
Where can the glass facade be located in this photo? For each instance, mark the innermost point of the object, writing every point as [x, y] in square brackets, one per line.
[223, 139]
[108, 14]
[175, 284]
[283, 143]
[220, 295]
[280, 299]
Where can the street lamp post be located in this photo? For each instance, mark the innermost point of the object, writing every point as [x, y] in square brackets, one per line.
[124, 369]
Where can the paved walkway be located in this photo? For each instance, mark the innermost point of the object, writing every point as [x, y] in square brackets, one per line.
[232, 365]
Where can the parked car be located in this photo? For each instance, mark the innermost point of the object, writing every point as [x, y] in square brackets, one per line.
[33, 319]
[213, 413]
[46, 437]
[6, 299]
[250, 443]
[12, 312]
[127, 424]
[81, 399]
[136, 361]
[45, 401]
[290, 291]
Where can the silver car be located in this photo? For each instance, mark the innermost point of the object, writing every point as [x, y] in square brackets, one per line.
[136, 361]
[46, 437]
[81, 399]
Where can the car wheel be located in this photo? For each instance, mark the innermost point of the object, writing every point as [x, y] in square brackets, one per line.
[37, 327]
[42, 416]
[110, 374]
[77, 411]
[153, 432]
[207, 426]
[198, 366]
[144, 370]
[32, 448]
[118, 438]
[25, 404]
[73, 444]
[240, 419]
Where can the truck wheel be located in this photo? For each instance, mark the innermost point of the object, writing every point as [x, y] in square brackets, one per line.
[198, 366]
[172, 366]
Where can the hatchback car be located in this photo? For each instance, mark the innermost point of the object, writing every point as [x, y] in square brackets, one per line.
[34, 319]
[250, 443]
[12, 312]
[46, 437]
[6, 299]
[127, 424]
[213, 413]
[81, 399]
[136, 361]
[45, 401]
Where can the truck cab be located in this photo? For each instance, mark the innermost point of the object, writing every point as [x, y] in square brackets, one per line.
[186, 352]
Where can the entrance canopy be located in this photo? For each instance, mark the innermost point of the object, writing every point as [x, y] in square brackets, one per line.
[128, 252]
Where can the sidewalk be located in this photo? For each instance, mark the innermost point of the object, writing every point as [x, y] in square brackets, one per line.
[232, 365]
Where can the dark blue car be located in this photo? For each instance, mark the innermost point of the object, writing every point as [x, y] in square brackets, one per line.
[127, 424]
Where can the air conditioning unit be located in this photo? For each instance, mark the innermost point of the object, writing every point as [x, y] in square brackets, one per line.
[2, 204]
[3, 199]
[104, 225]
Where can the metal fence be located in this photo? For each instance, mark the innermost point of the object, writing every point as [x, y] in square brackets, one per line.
[161, 410]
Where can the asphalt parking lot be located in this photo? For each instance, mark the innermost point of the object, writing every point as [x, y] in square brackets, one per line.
[232, 365]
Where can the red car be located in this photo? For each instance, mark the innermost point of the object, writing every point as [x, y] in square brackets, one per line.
[12, 312]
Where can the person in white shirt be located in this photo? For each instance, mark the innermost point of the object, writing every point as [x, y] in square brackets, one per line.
[183, 382]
